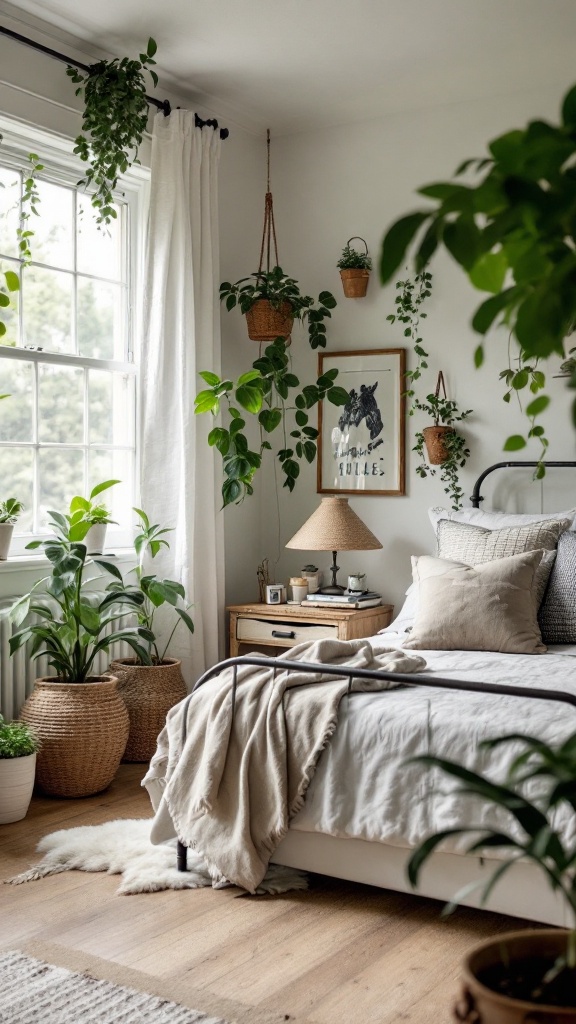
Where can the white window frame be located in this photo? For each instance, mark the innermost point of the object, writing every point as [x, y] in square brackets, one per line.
[64, 167]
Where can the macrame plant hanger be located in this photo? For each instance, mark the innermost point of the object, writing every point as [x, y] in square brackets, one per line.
[267, 319]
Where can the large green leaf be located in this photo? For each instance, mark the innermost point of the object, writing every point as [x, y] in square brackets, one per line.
[396, 242]
[489, 272]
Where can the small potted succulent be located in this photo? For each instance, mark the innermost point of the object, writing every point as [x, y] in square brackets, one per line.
[9, 512]
[271, 301]
[354, 269]
[18, 746]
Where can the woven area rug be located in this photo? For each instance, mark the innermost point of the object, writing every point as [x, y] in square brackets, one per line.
[123, 848]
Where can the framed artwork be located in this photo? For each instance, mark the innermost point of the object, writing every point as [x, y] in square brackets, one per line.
[361, 444]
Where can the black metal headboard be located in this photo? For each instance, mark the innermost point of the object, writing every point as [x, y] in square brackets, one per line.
[476, 497]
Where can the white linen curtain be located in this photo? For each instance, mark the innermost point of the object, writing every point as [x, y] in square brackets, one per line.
[181, 336]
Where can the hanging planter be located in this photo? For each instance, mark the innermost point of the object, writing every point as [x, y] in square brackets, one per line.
[265, 323]
[354, 269]
[444, 445]
[436, 440]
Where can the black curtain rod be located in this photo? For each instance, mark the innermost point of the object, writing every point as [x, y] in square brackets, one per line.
[163, 105]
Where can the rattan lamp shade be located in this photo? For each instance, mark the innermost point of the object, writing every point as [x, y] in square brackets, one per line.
[334, 527]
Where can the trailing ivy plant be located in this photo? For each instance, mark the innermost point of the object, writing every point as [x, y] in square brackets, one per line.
[513, 232]
[443, 412]
[271, 393]
[29, 205]
[11, 284]
[114, 120]
[412, 293]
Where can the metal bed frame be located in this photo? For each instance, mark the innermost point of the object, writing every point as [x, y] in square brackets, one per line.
[277, 665]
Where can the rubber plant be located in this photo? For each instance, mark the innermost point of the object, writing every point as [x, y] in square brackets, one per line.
[271, 394]
[113, 123]
[513, 232]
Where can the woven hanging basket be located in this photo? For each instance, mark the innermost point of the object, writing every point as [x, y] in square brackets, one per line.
[434, 438]
[266, 323]
[148, 691]
[82, 728]
[355, 283]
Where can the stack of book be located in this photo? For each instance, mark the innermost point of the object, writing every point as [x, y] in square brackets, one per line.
[348, 599]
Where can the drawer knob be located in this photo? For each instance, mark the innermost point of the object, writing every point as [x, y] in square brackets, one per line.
[280, 635]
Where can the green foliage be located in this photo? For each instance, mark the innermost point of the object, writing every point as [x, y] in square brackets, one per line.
[74, 635]
[113, 123]
[412, 293]
[10, 510]
[29, 205]
[553, 770]
[512, 232]
[11, 284]
[267, 393]
[84, 512]
[16, 739]
[351, 259]
[278, 288]
[154, 592]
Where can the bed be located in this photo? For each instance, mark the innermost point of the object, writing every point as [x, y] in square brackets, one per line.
[365, 807]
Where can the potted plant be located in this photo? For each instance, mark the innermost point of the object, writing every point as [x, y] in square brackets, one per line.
[18, 747]
[9, 512]
[528, 975]
[151, 686]
[88, 520]
[264, 392]
[445, 446]
[80, 720]
[355, 270]
[271, 301]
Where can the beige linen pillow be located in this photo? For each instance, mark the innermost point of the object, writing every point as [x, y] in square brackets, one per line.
[486, 607]
[474, 545]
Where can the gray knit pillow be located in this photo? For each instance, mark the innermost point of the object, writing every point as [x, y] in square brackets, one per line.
[473, 545]
[557, 616]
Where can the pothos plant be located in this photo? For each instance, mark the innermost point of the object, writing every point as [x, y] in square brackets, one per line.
[114, 120]
[271, 394]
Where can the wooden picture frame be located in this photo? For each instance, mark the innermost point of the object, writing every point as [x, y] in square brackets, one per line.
[361, 446]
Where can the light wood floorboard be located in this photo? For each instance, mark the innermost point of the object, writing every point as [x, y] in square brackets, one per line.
[340, 953]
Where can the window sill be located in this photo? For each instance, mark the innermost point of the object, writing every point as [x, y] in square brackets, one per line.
[31, 563]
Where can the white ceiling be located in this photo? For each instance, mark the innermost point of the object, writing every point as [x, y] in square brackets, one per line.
[294, 65]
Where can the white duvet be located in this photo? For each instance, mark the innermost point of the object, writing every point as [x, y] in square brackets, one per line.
[364, 789]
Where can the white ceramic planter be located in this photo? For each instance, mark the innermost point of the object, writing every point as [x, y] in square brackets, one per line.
[16, 785]
[6, 530]
[95, 538]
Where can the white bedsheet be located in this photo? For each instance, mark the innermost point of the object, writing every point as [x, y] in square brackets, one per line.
[363, 788]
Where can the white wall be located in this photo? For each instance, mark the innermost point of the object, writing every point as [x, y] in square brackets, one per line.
[355, 180]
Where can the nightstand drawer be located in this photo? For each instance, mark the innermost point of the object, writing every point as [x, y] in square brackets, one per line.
[285, 633]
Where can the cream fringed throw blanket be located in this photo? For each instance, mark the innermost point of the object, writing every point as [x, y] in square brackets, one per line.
[231, 787]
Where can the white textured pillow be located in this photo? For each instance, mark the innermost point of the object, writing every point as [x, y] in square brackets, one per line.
[474, 545]
[495, 520]
[405, 618]
[486, 607]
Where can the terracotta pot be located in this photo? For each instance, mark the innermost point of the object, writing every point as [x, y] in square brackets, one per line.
[355, 282]
[95, 539]
[485, 1006]
[435, 446]
[266, 323]
[148, 691]
[6, 531]
[82, 728]
[16, 785]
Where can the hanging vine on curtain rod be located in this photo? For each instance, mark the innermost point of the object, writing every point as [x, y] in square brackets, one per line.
[163, 105]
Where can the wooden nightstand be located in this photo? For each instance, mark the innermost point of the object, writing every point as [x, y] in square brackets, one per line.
[257, 627]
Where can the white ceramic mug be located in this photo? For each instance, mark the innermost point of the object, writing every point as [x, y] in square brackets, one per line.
[357, 582]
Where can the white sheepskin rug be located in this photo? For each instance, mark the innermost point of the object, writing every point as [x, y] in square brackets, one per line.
[123, 848]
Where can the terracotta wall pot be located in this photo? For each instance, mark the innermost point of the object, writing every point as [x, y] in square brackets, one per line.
[6, 531]
[83, 728]
[482, 1004]
[266, 323]
[435, 446]
[148, 691]
[16, 785]
[355, 283]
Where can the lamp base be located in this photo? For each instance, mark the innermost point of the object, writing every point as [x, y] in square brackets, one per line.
[334, 587]
[332, 590]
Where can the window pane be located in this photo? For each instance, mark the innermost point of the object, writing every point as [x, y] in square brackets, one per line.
[99, 250]
[116, 465]
[9, 211]
[61, 476]
[10, 315]
[61, 404]
[101, 330]
[53, 239]
[16, 419]
[47, 302]
[110, 408]
[17, 481]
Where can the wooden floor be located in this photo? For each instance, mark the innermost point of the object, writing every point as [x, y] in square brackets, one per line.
[339, 953]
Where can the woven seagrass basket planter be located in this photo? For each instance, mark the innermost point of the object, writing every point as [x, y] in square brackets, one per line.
[355, 282]
[82, 728]
[266, 323]
[148, 691]
[435, 440]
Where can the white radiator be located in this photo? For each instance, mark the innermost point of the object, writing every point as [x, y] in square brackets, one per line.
[18, 672]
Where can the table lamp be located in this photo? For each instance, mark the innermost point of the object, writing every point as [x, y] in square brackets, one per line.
[334, 527]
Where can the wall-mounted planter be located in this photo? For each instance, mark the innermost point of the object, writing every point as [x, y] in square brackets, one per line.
[355, 283]
[435, 440]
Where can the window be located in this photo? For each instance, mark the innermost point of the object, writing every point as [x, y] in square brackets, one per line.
[67, 358]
